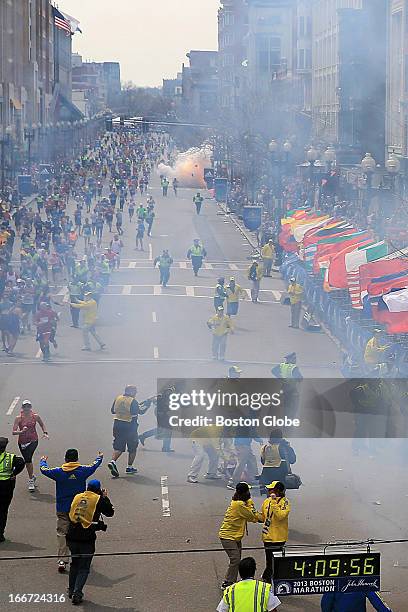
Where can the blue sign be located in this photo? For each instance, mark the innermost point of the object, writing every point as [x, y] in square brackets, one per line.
[252, 216]
[25, 187]
[221, 189]
[209, 177]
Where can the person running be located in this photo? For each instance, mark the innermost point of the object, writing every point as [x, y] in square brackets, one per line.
[87, 233]
[196, 253]
[25, 427]
[131, 210]
[220, 294]
[140, 234]
[165, 186]
[198, 201]
[126, 410]
[46, 321]
[206, 444]
[116, 246]
[175, 186]
[90, 308]
[150, 216]
[84, 521]
[164, 261]
[70, 479]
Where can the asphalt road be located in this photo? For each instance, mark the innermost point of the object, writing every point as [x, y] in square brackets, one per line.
[152, 333]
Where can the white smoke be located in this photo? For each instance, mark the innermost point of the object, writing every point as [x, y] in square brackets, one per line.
[188, 167]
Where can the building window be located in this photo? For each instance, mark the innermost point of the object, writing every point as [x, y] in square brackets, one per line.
[308, 59]
[301, 59]
[228, 39]
[301, 26]
[268, 53]
[229, 19]
[308, 26]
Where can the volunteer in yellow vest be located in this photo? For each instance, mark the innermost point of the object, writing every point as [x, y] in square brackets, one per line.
[240, 512]
[206, 443]
[234, 293]
[255, 274]
[248, 595]
[85, 521]
[196, 253]
[10, 466]
[375, 352]
[268, 257]
[295, 292]
[289, 371]
[221, 326]
[90, 309]
[126, 410]
[276, 457]
[275, 513]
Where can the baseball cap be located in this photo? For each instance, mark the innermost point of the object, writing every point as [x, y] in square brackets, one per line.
[94, 484]
[292, 279]
[275, 483]
[26, 402]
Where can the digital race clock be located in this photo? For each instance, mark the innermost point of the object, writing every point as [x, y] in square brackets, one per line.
[315, 574]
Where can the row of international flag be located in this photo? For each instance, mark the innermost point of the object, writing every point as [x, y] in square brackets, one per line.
[374, 273]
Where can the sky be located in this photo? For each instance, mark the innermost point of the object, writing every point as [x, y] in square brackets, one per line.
[150, 38]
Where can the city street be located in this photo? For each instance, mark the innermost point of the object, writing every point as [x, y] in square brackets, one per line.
[154, 332]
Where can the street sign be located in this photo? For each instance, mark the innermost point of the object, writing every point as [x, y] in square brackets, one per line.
[252, 216]
[209, 177]
[319, 574]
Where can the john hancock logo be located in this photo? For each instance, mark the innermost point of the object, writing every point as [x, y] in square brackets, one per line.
[361, 584]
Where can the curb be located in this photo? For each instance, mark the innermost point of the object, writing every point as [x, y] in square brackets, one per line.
[247, 237]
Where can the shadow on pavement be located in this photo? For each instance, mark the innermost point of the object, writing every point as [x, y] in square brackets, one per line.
[304, 538]
[100, 580]
[45, 498]
[88, 605]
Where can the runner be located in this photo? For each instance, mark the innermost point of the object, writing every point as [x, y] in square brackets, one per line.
[25, 427]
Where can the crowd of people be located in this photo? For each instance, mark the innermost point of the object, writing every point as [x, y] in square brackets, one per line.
[61, 247]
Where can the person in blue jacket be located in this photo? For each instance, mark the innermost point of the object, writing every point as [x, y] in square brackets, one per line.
[70, 479]
[352, 602]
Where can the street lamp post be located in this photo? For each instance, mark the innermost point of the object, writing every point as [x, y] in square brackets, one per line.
[368, 164]
[311, 158]
[393, 165]
[29, 135]
[330, 157]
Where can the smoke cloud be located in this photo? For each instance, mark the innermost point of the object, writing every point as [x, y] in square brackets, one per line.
[188, 167]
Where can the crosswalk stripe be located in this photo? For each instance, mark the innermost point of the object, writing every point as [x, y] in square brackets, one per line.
[127, 289]
[233, 267]
[157, 290]
[183, 265]
[156, 352]
[276, 294]
[190, 291]
[132, 264]
[248, 293]
[208, 266]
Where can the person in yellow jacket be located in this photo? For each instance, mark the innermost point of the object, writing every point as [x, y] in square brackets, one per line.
[90, 309]
[255, 274]
[248, 595]
[240, 512]
[268, 256]
[375, 352]
[275, 512]
[234, 293]
[295, 292]
[221, 326]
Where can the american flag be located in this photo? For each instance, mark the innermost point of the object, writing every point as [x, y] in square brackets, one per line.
[61, 22]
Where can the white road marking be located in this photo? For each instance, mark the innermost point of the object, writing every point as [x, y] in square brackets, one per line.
[13, 405]
[233, 267]
[154, 317]
[277, 295]
[127, 290]
[132, 264]
[156, 352]
[208, 266]
[190, 291]
[157, 290]
[164, 481]
[38, 354]
[150, 252]
[183, 265]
